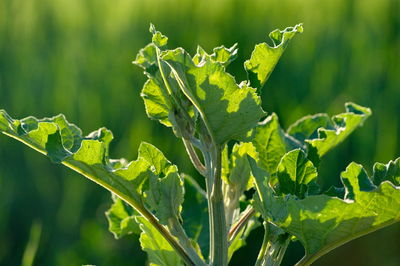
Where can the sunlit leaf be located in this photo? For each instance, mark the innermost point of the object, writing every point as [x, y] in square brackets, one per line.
[264, 57]
[160, 252]
[228, 111]
[121, 219]
[323, 222]
[320, 135]
[269, 141]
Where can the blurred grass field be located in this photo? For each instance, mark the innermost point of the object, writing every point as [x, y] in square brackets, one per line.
[74, 57]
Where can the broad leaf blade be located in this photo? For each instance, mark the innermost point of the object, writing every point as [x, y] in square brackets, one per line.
[264, 57]
[49, 137]
[322, 222]
[129, 181]
[228, 111]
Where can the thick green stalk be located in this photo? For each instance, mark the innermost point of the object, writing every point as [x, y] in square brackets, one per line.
[273, 247]
[264, 246]
[219, 237]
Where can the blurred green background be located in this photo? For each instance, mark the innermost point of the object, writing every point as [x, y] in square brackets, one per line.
[74, 57]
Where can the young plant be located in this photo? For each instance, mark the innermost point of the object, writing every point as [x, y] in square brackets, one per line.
[179, 222]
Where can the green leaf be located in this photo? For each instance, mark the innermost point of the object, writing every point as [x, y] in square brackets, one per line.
[63, 142]
[160, 252]
[157, 104]
[355, 179]
[165, 192]
[343, 125]
[295, 172]
[322, 222]
[220, 54]
[121, 219]
[239, 177]
[165, 197]
[180, 87]
[228, 110]
[156, 158]
[158, 38]
[129, 181]
[147, 59]
[161, 94]
[225, 163]
[264, 57]
[269, 141]
[387, 172]
[149, 182]
[307, 127]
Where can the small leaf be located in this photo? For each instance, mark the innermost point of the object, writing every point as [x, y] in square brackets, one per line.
[165, 192]
[239, 176]
[264, 57]
[158, 39]
[159, 251]
[220, 54]
[165, 197]
[355, 179]
[307, 127]
[155, 158]
[269, 141]
[147, 59]
[343, 125]
[121, 219]
[295, 172]
[157, 103]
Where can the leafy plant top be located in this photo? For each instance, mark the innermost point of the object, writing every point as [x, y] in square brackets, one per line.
[236, 147]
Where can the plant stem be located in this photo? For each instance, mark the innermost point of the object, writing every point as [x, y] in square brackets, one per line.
[219, 238]
[184, 240]
[194, 158]
[264, 246]
[235, 229]
[273, 247]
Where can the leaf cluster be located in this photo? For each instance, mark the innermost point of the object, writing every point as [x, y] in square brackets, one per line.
[255, 172]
